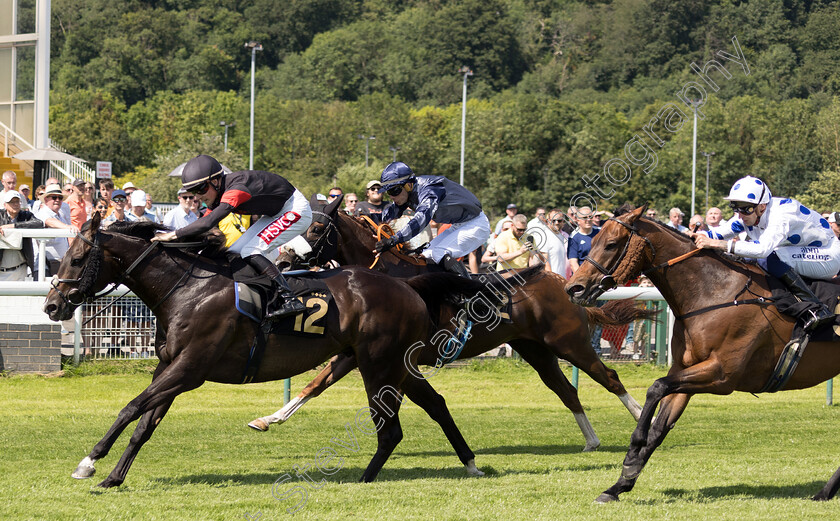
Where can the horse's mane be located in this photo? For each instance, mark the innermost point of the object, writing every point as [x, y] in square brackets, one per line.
[213, 241]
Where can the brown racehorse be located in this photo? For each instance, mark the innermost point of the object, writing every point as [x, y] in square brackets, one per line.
[375, 316]
[545, 325]
[717, 347]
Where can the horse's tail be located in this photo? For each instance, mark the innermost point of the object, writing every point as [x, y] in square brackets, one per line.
[618, 313]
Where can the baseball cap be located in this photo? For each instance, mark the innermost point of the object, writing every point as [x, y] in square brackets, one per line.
[118, 193]
[182, 191]
[834, 217]
[320, 197]
[511, 206]
[373, 183]
[78, 182]
[11, 194]
[128, 185]
[24, 187]
[138, 198]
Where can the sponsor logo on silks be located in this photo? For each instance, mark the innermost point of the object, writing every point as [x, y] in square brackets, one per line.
[278, 226]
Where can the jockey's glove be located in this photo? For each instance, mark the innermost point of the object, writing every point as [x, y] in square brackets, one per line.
[386, 244]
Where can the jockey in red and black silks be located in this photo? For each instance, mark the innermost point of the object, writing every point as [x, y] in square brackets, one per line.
[285, 214]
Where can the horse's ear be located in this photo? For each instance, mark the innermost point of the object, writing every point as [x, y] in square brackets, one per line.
[95, 221]
[330, 209]
[638, 212]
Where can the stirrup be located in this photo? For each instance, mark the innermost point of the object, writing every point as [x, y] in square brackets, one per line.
[290, 307]
[817, 318]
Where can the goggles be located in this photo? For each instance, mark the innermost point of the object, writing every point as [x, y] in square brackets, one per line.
[201, 189]
[395, 190]
[744, 209]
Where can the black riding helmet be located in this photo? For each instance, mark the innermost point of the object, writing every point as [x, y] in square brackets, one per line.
[199, 171]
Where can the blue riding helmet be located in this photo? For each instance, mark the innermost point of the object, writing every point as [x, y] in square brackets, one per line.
[397, 173]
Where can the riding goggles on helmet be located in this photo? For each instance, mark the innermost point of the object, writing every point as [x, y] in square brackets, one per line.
[395, 190]
[744, 209]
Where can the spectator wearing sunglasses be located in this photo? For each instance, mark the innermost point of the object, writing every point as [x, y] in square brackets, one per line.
[182, 215]
[789, 240]
[580, 242]
[438, 198]
[285, 215]
[554, 243]
[119, 202]
[373, 205]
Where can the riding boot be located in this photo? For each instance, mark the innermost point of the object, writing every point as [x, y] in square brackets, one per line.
[454, 266]
[812, 317]
[284, 302]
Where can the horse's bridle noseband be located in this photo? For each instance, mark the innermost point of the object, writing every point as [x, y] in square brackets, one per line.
[607, 282]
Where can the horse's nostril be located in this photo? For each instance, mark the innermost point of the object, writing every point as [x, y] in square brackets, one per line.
[574, 290]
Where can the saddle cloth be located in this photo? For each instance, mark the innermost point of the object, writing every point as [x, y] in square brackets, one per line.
[252, 290]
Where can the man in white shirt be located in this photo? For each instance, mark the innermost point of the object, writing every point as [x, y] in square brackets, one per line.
[539, 218]
[9, 184]
[182, 215]
[138, 210]
[510, 211]
[50, 213]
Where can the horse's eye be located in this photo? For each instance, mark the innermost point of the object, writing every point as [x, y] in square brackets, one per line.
[610, 246]
[76, 262]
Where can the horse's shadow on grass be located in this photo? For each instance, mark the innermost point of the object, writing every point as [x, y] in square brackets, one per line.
[352, 475]
[540, 450]
[708, 494]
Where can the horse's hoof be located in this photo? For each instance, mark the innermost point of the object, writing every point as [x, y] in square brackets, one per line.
[83, 472]
[259, 425]
[606, 498]
[472, 470]
[590, 448]
[821, 496]
[109, 483]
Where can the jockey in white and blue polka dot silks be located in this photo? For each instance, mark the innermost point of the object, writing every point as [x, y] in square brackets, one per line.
[788, 239]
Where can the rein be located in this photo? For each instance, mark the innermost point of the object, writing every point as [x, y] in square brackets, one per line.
[608, 281]
[384, 230]
[68, 298]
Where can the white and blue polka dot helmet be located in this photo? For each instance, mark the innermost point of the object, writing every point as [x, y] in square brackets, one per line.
[749, 190]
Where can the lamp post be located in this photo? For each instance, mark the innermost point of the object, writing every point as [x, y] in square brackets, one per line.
[227, 125]
[466, 71]
[694, 105]
[254, 46]
[394, 150]
[708, 161]
[367, 147]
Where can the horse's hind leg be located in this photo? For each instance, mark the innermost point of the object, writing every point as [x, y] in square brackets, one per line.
[423, 394]
[830, 488]
[545, 363]
[579, 352]
[336, 369]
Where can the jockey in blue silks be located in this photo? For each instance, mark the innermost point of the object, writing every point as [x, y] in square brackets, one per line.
[788, 238]
[438, 198]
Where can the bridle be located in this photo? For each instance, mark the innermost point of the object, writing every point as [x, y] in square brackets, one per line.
[86, 278]
[608, 282]
[323, 241]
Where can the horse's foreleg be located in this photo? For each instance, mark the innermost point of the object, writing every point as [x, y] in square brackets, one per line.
[167, 383]
[830, 488]
[545, 363]
[336, 369]
[423, 394]
[145, 427]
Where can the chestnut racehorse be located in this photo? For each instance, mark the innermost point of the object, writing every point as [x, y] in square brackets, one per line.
[718, 347]
[374, 316]
[544, 325]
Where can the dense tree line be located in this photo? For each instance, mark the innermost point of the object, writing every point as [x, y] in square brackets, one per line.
[560, 87]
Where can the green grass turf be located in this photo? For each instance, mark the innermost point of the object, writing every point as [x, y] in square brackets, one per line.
[736, 457]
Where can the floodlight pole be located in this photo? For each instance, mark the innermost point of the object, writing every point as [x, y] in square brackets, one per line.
[367, 147]
[466, 71]
[708, 161]
[226, 125]
[254, 46]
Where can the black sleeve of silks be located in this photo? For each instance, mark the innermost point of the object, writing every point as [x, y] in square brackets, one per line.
[204, 224]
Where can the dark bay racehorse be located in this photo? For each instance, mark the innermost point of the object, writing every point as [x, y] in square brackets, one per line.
[376, 317]
[544, 326]
[717, 348]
